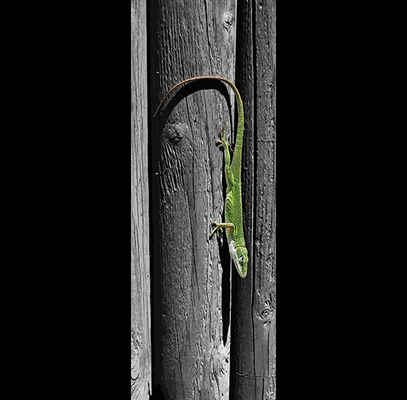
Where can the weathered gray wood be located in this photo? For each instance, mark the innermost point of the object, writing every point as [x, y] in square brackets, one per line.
[242, 355]
[191, 293]
[140, 237]
[264, 300]
[253, 363]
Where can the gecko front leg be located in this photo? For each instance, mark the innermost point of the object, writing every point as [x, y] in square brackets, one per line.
[227, 225]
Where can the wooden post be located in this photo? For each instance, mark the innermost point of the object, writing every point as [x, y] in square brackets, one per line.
[191, 273]
[140, 237]
[192, 349]
[254, 304]
[264, 279]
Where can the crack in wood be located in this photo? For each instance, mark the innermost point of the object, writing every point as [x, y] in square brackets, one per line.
[253, 376]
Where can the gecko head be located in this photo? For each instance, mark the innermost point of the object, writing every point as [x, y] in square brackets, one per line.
[240, 258]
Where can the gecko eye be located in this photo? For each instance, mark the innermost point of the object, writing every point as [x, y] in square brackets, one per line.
[241, 258]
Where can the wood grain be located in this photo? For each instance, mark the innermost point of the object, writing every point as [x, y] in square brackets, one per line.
[140, 237]
[191, 273]
[254, 304]
[264, 279]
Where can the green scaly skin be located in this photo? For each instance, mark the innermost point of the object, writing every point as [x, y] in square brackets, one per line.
[233, 205]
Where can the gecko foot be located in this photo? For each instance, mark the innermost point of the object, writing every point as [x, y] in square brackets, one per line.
[217, 229]
[224, 142]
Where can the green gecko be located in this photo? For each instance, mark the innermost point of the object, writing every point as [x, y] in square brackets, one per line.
[233, 204]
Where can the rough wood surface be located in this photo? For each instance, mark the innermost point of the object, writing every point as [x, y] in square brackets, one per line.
[254, 304]
[140, 246]
[191, 292]
[264, 282]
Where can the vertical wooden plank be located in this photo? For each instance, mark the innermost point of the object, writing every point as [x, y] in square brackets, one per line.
[191, 292]
[140, 250]
[264, 279]
[242, 351]
[253, 344]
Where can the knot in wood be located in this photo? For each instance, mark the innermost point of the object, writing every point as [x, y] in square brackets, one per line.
[228, 20]
[176, 132]
[265, 315]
